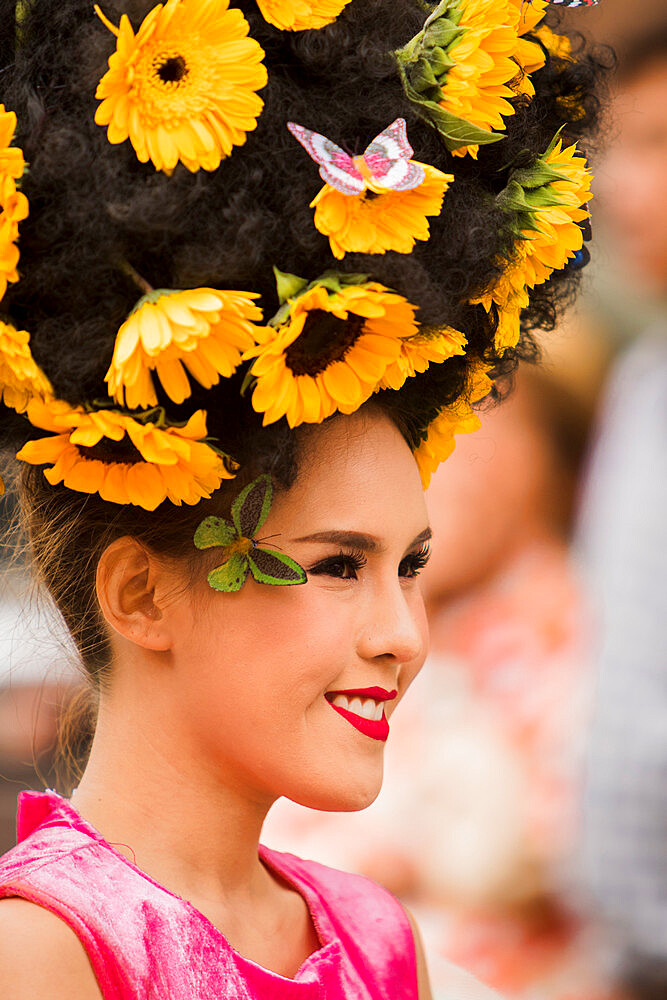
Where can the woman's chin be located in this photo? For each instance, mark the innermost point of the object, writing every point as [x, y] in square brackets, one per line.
[342, 795]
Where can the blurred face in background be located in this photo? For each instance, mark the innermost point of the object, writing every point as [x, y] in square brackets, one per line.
[631, 182]
[502, 488]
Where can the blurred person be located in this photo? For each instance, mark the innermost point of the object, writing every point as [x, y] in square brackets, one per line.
[623, 544]
[476, 839]
[37, 680]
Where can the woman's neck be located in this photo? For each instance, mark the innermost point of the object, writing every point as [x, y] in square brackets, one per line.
[150, 796]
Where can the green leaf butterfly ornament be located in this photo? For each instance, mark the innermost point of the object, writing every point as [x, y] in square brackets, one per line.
[245, 555]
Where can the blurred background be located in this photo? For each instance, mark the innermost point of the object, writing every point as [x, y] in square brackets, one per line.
[524, 814]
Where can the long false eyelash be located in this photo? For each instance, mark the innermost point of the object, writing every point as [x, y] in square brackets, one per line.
[415, 561]
[354, 559]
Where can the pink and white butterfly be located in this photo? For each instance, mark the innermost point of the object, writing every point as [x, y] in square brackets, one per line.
[386, 163]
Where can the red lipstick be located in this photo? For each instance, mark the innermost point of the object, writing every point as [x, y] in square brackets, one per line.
[377, 729]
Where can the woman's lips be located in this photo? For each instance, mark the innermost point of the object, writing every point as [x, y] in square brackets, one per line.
[363, 708]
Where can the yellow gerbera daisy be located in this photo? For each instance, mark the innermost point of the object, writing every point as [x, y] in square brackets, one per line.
[123, 460]
[459, 418]
[20, 377]
[417, 352]
[13, 204]
[330, 352]
[380, 219]
[297, 15]
[549, 215]
[184, 87]
[203, 330]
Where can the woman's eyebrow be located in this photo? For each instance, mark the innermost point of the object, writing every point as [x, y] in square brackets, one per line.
[358, 539]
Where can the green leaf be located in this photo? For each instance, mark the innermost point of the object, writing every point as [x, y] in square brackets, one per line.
[251, 507]
[214, 531]
[455, 131]
[288, 285]
[248, 380]
[231, 575]
[538, 175]
[350, 278]
[275, 568]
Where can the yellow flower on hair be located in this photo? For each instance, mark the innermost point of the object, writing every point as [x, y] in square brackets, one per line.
[20, 377]
[123, 460]
[297, 15]
[458, 418]
[419, 351]
[201, 330]
[184, 87]
[329, 352]
[529, 54]
[549, 232]
[477, 84]
[13, 204]
[508, 330]
[380, 219]
[469, 62]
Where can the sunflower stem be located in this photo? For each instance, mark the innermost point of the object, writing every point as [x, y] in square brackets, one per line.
[136, 277]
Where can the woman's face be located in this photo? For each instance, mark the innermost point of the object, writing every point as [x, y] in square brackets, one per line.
[257, 670]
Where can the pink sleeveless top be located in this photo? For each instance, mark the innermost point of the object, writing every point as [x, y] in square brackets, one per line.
[145, 943]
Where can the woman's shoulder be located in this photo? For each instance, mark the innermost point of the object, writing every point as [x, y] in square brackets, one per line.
[368, 921]
[41, 956]
[334, 888]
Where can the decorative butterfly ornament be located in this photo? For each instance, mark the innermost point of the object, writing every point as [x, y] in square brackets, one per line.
[576, 3]
[245, 555]
[386, 163]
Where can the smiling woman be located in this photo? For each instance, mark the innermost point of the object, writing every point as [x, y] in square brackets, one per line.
[224, 413]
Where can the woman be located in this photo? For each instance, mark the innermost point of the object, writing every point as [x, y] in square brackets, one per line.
[222, 478]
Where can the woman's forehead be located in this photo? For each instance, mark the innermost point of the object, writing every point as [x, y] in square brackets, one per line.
[356, 473]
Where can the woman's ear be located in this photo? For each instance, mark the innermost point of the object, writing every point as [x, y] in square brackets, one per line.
[130, 582]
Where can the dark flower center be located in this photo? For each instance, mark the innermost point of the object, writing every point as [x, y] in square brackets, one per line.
[110, 452]
[172, 70]
[324, 339]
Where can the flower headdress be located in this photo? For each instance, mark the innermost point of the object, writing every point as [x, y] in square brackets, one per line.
[411, 275]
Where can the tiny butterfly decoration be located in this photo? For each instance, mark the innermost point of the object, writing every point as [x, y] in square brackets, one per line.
[386, 162]
[250, 510]
[576, 3]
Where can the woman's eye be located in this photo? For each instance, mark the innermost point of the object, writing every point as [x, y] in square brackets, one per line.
[344, 566]
[414, 562]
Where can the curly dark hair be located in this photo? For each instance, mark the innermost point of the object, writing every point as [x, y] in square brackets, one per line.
[93, 204]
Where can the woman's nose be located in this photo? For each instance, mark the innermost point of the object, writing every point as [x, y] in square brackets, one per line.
[394, 627]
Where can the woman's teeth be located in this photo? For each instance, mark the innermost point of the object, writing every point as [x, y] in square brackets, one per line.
[367, 708]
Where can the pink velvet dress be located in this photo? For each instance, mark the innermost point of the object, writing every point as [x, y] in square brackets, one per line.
[145, 943]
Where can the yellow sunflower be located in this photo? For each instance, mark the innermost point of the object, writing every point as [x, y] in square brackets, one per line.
[203, 330]
[418, 351]
[459, 418]
[184, 87]
[123, 460]
[529, 55]
[298, 15]
[508, 330]
[468, 63]
[379, 219]
[477, 85]
[13, 204]
[549, 233]
[20, 377]
[330, 352]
